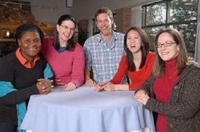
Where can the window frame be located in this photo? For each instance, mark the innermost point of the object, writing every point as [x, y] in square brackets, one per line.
[167, 22]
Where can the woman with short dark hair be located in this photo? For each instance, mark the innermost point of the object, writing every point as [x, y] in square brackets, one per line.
[22, 73]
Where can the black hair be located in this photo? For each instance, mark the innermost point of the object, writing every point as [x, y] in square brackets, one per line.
[25, 28]
[71, 42]
[144, 48]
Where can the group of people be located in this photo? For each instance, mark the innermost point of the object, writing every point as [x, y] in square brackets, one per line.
[164, 81]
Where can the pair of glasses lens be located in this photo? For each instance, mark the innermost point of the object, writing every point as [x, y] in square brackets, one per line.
[67, 28]
[166, 44]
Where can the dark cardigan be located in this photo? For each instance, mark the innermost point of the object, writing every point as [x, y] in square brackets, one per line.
[183, 109]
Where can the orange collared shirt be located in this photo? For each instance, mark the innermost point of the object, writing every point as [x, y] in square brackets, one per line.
[25, 62]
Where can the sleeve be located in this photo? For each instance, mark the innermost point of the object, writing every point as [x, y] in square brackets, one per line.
[88, 56]
[48, 72]
[147, 85]
[120, 72]
[146, 73]
[6, 82]
[78, 67]
[15, 97]
[185, 103]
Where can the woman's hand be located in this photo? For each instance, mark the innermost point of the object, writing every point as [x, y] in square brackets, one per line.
[98, 87]
[106, 86]
[142, 96]
[44, 86]
[110, 87]
[70, 86]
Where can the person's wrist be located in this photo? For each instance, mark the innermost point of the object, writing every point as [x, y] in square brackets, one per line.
[74, 85]
[116, 87]
[87, 79]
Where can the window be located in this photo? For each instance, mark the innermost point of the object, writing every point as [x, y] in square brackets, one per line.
[179, 14]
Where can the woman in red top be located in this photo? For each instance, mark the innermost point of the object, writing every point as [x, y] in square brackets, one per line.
[173, 90]
[137, 62]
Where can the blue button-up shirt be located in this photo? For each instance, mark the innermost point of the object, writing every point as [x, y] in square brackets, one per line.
[104, 59]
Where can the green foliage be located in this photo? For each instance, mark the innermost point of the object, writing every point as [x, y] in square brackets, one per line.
[179, 14]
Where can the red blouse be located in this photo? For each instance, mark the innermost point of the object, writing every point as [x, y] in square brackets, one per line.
[137, 78]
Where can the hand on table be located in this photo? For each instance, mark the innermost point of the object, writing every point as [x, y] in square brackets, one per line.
[142, 96]
[70, 86]
[98, 87]
[106, 86]
[90, 83]
[44, 86]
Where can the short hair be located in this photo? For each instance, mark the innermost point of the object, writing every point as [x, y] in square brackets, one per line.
[71, 41]
[144, 48]
[104, 10]
[182, 58]
[27, 28]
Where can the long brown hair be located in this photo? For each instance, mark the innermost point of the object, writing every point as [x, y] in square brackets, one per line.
[159, 65]
[144, 48]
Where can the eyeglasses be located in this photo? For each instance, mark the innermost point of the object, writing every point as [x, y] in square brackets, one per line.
[166, 44]
[66, 28]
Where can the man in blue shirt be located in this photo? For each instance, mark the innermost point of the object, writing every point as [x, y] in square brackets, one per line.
[103, 51]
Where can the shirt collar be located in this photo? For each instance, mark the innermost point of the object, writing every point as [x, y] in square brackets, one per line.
[99, 37]
[23, 61]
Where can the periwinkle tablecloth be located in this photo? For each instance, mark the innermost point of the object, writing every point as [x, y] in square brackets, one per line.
[84, 110]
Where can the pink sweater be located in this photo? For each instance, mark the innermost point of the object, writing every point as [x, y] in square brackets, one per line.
[67, 66]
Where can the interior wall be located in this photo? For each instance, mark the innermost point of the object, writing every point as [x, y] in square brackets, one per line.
[136, 16]
[81, 9]
[48, 11]
[84, 9]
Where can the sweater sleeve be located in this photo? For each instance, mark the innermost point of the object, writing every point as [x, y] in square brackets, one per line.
[120, 72]
[184, 99]
[144, 74]
[7, 77]
[18, 96]
[78, 66]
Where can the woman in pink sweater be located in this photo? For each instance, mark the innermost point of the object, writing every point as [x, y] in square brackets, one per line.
[65, 56]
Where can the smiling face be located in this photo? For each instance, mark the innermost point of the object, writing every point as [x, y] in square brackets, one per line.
[134, 41]
[30, 44]
[104, 23]
[65, 31]
[169, 52]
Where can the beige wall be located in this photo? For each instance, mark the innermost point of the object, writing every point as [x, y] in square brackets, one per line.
[48, 11]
